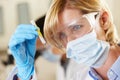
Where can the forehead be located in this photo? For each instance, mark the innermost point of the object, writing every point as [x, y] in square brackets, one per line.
[68, 16]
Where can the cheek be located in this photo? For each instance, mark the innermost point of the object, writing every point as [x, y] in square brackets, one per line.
[84, 31]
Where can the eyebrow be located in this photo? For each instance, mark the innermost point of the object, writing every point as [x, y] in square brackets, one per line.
[74, 22]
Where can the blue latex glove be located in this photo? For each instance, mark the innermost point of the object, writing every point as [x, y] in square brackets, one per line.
[23, 46]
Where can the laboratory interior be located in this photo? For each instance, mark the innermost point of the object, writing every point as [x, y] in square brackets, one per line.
[48, 66]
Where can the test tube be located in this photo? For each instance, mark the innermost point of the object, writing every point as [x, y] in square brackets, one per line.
[39, 33]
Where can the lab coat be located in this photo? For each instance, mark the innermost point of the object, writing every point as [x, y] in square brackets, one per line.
[74, 71]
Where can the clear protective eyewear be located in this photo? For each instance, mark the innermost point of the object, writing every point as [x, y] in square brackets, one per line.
[78, 28]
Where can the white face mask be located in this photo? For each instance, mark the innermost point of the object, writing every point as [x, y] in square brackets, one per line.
[88, 49]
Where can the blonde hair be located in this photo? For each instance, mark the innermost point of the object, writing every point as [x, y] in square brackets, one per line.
[85, 6]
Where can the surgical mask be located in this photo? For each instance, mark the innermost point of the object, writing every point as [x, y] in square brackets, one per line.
[88, 49]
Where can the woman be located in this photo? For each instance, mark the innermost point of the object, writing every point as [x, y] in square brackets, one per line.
[84, 28]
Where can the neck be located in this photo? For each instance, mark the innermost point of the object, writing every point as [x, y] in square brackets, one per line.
[114, 53]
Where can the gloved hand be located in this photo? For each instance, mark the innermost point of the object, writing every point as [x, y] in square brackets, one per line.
[23, 46]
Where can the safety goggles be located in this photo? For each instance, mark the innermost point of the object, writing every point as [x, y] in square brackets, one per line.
[77, 28]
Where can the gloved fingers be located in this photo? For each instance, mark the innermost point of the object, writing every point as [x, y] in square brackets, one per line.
[30, 47]
[16, 46]
[25, 35]
[25, 31]
[22, 43]
[19, 53]
[21, 35]
[26, 27]
[19, 38]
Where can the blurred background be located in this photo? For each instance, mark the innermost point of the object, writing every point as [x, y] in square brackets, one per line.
[14, 12]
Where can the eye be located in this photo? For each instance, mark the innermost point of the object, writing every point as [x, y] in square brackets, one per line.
[76, 27]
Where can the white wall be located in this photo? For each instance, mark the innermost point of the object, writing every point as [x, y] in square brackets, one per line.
[37, 9]
[116, 13]
[114, 7]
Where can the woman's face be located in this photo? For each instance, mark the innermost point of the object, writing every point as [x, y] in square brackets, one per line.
[72, 25]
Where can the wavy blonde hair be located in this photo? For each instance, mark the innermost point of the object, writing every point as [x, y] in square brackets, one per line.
[85, 6]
